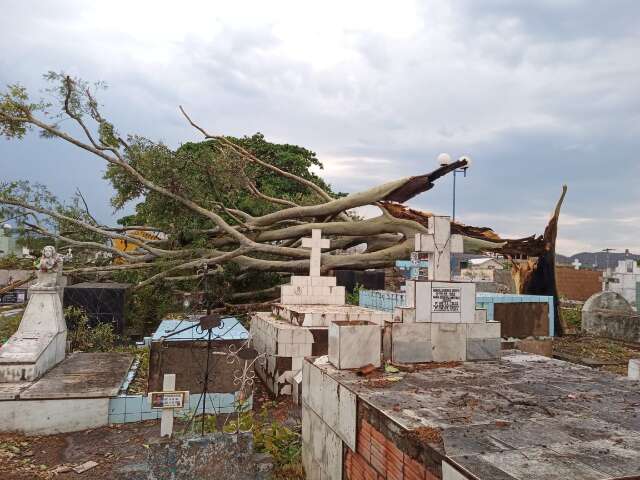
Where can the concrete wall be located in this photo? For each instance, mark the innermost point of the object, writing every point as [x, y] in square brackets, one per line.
[16, 275]
[46, 417]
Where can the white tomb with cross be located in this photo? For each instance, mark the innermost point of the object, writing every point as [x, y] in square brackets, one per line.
[439, 321]
[299, 325]
[313, 289]
[576, 264]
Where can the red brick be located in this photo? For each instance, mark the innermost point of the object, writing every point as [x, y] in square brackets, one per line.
[378, 461]
[394, 452]
[413, 469]
[376, 435]
[369, 473]
[358, 467]
[363, 445]
[412, 476]
[394, 473]
[431, 476]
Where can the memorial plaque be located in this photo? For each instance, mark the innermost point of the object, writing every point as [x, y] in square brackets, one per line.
[445, 299]
[19, 295]
[168, 399]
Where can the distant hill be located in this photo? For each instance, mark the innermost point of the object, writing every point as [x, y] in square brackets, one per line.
[596, 259]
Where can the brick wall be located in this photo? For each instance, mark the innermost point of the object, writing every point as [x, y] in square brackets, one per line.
[578, 284]
[379, 458]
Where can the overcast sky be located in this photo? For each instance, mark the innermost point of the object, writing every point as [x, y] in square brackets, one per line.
[537, 93]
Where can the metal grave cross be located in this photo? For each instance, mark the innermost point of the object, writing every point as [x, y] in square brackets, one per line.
[576, 264]
[439, 244]
[168, 400]
[316, 243]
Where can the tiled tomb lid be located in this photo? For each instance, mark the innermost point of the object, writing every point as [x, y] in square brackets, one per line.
[229, 329]
[524, 416]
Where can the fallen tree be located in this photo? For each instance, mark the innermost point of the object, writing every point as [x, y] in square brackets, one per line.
[219, 232]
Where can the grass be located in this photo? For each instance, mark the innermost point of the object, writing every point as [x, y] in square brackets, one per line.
[8, 326]
[282, 443]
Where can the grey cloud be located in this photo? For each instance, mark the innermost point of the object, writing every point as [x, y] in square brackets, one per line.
[538, 93]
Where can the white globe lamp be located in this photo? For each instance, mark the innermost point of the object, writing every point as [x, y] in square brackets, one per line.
[444, 159]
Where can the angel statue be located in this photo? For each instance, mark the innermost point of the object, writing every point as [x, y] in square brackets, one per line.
[49, 266]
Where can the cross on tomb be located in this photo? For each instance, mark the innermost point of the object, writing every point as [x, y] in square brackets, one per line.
[316, 243]
[168, 400]
[576, 264]
[439, 244]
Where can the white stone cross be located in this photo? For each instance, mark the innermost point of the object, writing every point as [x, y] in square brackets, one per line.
[576, 264]
[316, 244]
[439, 244]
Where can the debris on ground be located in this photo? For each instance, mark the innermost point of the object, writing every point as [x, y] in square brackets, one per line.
[83, 467]
[366, 370]
[427, 435]
[596, 352]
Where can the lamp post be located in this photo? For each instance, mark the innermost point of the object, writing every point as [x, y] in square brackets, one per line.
[608, 250]
[445, 159]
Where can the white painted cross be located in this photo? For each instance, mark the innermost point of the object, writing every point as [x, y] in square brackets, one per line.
[316, 244]
[439, 244]
[168, 400]
[576, 264]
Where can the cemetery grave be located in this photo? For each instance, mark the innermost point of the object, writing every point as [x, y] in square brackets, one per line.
[298, 326]
[431, 395]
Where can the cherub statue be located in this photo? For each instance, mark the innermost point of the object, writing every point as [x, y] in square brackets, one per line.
[50, 266]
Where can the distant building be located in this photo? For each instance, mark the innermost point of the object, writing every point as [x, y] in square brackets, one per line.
[487, 263]
[623, 280]
[480, 269]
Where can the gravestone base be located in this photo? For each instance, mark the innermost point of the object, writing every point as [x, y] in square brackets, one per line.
[40, 341]
[354, 344]
[289, 333]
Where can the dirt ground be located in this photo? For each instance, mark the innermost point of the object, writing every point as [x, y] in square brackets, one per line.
[114, 448]
[27, 458]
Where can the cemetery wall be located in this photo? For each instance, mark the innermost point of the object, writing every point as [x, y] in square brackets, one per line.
[10, 276]
[577, 284]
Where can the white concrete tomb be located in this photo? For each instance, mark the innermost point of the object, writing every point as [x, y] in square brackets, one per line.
[40, 341]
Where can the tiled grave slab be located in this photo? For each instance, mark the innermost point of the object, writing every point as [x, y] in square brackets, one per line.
[501, 420]
[83, 375]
